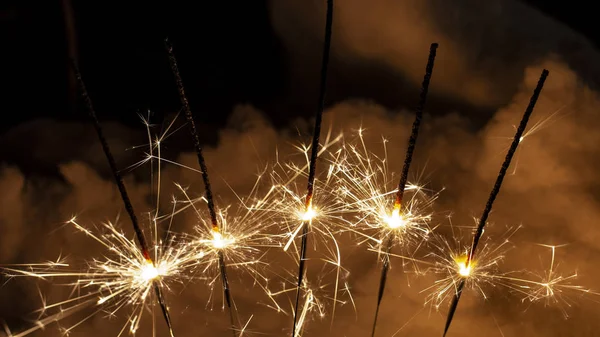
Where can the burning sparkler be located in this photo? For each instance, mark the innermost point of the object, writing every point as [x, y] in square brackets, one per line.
[124, 196]
[244, 233]
[124, 278]
[494, 194]
[450, 260]
[365, 185]
[285, 205]
[398, 215]
[203, 168]
[308, 204]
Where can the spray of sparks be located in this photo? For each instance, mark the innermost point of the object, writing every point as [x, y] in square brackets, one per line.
[122, 280]
[534, 129]
[366, 185]
[448, 259]
[354, 198]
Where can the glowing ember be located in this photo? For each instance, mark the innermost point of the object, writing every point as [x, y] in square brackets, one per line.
[463, 268]
[395, 220]
[219, 241]
[149, 272]
[310, 213]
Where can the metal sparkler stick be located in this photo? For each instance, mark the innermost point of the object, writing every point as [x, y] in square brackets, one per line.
[122, 190]
[209, 196]
[314, 154]
[412, 141]
[494, 193]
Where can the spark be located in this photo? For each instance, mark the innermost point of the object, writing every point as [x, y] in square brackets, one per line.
[124, 277]
[365, 185]
[496, 190]
[245, 232]
[449, 258]
[552, 287]
[122, 190]
[314, 153]
[535, 128]
[285, 202]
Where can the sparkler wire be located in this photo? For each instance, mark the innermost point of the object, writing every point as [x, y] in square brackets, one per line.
[209, 196]
[412, 141]
[122, 190]
[494, 193]
[314, 154]
[111, 161]
[194, 133]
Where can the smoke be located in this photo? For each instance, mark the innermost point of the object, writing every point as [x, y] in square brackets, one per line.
[389, 39]
[486, 59]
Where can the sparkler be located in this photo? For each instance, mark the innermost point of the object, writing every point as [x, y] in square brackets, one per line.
[209, 197]
[365, 185]
[243, 231]
[450, 259]
[309, 212]
[494, 193]
[125, 277]
[245, 226]
[285, 205]
[396, 218]
[123, 192]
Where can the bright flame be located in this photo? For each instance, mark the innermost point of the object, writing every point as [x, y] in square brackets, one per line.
[463, 268]
[219, 241]
[395, 220]
[149, 272]
[310, 213]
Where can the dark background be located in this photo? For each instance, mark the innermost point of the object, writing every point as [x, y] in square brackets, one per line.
[227, 50]
[229, 54]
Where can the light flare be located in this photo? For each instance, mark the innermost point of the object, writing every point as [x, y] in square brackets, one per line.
[396, 220]
[124, 277]
[464, 266]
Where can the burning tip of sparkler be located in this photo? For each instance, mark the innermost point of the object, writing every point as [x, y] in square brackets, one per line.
[464, 268]
[521, 139]
[220, 241]
[310, 214]
[149, 272]
[396, 220]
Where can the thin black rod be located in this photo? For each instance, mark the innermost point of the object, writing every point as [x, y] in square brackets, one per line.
[194, 133]
[509, 155]
[111, 161]
[495, 191]
[382, 281]
[122, 191]
[410, 149]
[314, 154]
[209, 196]
[412, 140]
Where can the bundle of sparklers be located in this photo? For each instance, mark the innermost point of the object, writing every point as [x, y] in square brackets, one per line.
[353, 192]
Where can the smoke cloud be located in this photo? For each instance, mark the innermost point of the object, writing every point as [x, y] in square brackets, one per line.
[487, 59]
